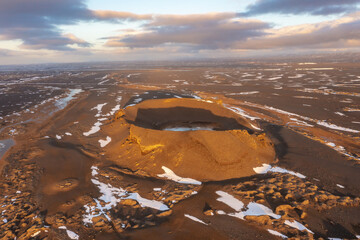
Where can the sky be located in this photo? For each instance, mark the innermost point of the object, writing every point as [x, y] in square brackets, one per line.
[51, 31]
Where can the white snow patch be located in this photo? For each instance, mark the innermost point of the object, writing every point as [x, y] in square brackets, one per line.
[352, 109]
[273, 232]
[93, 129]
[58, 137]
[256, 209]
[103, 143]
[255, 127]
[114, 110]
[252, 209]
[99, 107]
[339, 113]
[305, 97]
[111, 196]
[297, 76]
[133, 74]
[169, 174]
[147, 202]
[307, 63]
[322, 123]
[70, 234]
[195, 219]
[36, 233]
[299, 122]
[229, 200]
[335, 127]
[340, 186]
[243, 93]
[315, 69]
[297, 225]
[331, 144]
[267, 168]
[240, 112]
[341, 150]
[220, 212]
[275, 78]
[68, 134]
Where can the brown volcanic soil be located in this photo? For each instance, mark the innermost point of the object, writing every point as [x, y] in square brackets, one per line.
[231, 151]
[56, 177]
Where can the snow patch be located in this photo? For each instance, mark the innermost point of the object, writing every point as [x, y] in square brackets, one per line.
[252, 209]
[335, 127]
[195, 219]
[105, 142]
[265, 168]
[111, 196]
[297, 225]
[169, 174]
[70, 234]
[229, 200]
[241, 112]
[273, 232]
[94, 129]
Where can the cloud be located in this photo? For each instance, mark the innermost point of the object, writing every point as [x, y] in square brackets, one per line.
[313, 7]
[5, 52]
[76, 40]
[216, 31]
[37, 22]
[341, 33]
[119, 16]
[199, 31]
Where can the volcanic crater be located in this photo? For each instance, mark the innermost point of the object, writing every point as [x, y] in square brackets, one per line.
[194, 138]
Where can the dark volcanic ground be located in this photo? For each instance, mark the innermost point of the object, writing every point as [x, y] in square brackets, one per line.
[61, 179]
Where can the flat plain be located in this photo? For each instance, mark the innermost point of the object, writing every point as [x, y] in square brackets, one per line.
[246, 151]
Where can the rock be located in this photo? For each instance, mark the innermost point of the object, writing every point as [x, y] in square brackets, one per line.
[260, 195]
[9, 235]
[150, 223]
[290, 197]
[129, 202]
[261, 201]
[283, 209]
[136, 226]
[271, 180]
[305, 202]
[99, 225]
[322, 197]
[164, 214]
[262, 220]
[118, 225]
[99, 221]
[209, 212]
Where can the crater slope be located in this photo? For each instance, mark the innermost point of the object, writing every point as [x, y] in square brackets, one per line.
[161, 133]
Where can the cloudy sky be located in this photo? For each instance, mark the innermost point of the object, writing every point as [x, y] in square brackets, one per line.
[43, 31]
